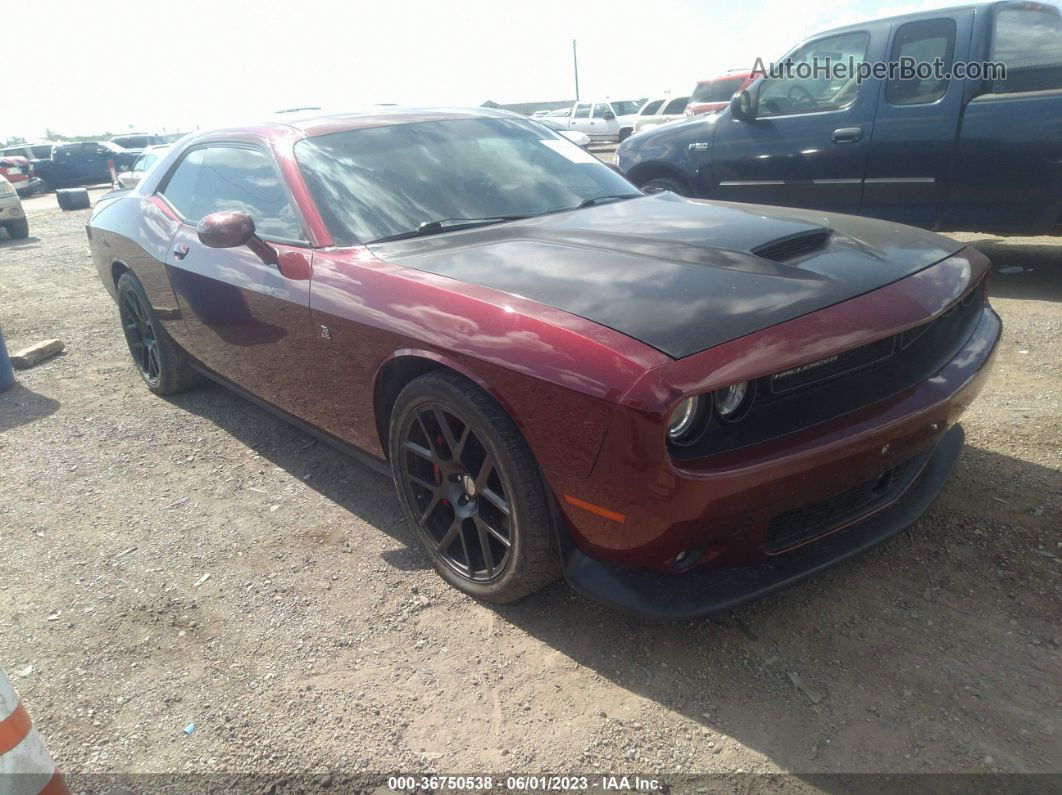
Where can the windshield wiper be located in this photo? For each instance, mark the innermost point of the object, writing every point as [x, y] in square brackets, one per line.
[607, 198]
[450, 225]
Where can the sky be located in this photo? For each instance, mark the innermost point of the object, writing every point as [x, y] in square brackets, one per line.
[159, 66]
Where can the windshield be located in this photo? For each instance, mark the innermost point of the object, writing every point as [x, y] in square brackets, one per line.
[144, 162]
[384, 181]
[717, 90]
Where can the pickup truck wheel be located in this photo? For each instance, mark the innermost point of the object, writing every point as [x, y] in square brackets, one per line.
[471, 490]
[17, 230]
[159, 361]
[661, 184]
[73, 199]
[625, 133]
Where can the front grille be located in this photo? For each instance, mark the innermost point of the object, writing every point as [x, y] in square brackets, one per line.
[804, 524]
[823, 369]
[794, 246]
[804, 396]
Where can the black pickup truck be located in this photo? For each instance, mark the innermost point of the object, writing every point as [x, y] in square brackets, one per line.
[940, 152]
[84, 163]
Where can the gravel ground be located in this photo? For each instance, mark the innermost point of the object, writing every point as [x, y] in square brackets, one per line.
[187, 560]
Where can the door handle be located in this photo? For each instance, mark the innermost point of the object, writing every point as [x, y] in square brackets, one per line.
[180, 251]
[847, 135]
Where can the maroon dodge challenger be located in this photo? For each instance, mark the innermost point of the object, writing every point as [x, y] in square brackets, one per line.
[678, 405]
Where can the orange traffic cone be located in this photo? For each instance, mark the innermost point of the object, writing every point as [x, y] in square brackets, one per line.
[25, 766]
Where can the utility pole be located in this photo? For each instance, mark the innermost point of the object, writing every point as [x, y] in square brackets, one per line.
[575, 61]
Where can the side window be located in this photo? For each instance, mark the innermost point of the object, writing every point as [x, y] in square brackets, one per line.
[921, 42]
[651, 108]
[234, 178]
[180, 187]
[818, 92]
[1028, 40]
[582, 111]
[676, 106]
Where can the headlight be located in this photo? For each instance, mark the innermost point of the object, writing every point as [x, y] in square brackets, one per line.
[6, 188]
[686, 423]
[732, 402]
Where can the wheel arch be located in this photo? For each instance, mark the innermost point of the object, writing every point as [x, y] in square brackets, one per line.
[643, 172]
[117, 269]
[405, 365]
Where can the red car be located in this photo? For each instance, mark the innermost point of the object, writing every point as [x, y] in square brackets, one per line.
[710, 96]
[680, 405]
[19, 173]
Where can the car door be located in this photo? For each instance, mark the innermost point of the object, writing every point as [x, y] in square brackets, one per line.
[93, 162]
[808, 143]
[243, 319]
[603, 122]
[580, 118]
[913, 144]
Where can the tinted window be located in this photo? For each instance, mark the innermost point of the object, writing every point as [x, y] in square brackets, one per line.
[582, 111]
[816, 93]
[180, 187]
[651, 108]
[922, 42]
[383, 181]
[603, 111]
[1029, 42]
[235, 178]
[43, 152]
[717, 90]
[676, 105]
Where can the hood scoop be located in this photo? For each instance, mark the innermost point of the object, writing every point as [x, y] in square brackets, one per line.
[793, 247]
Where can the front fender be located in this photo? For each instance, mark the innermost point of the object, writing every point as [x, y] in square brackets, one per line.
[682, 149]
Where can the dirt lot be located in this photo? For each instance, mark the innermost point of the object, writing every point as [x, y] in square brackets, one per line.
[196, 560]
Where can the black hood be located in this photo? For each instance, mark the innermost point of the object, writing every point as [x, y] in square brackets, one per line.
[680, 275]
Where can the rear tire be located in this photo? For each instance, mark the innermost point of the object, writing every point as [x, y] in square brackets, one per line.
[661, 184]
[471, 490]
[17, 230]
[159, 361]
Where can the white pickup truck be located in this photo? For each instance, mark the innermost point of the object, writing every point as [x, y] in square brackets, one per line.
[605, 120]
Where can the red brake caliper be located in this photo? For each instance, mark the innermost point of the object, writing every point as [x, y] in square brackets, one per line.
[436, 472]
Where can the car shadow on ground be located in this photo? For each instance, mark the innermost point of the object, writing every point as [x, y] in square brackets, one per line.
[357, 487]
[1040, 277]
[26, 242]
[889, 662]
[19, 406]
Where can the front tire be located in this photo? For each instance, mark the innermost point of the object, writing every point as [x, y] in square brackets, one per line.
[471, 490]
[159, 361]
[661, 184]
[625, 133]
[18, 230]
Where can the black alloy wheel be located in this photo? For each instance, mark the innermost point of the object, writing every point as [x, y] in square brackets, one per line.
[161, 364]
[457, 492]
[471, 490]
[141, 335]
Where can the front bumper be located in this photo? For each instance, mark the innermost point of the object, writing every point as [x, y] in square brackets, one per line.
[30, 186]
[763, 521]
[699, 593]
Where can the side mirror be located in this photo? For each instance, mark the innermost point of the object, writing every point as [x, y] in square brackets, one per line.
[743, 105]
[232, 229]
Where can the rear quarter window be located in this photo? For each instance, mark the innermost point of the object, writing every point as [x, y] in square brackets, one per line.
[1028, 39]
